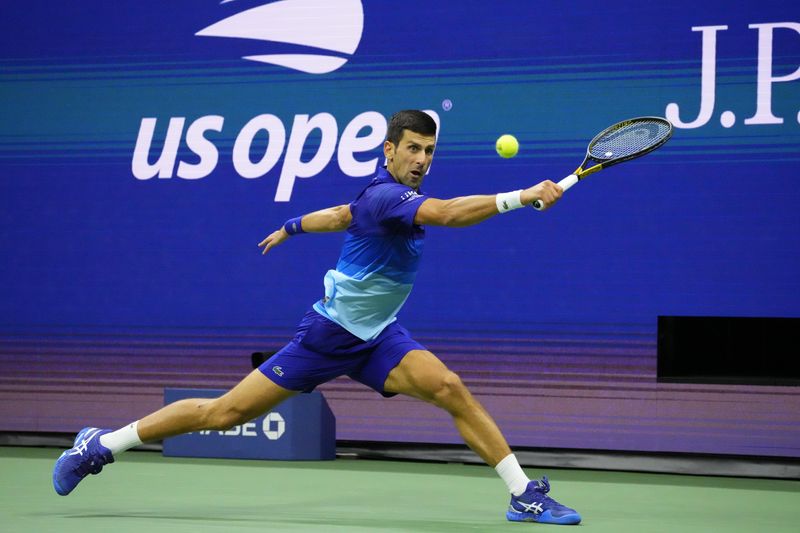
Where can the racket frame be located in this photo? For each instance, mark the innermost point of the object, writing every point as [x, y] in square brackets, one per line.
[581, 173]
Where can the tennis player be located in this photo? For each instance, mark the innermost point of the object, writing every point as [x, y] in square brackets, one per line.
[353, 331]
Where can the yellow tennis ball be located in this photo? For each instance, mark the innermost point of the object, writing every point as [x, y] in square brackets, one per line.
[507, 146]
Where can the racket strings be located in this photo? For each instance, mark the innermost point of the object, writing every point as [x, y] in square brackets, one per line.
[630, 138]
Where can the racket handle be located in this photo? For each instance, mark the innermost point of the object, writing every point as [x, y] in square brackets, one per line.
[565, 184]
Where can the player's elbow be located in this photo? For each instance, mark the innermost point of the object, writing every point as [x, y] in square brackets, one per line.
[454, 217]
[443, 218]
[343, 216]
[449, 219]
[437, 213]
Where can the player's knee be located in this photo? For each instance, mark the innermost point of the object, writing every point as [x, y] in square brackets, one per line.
[451, 391]
[222, 417]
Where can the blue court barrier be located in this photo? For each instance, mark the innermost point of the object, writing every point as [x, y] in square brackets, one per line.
[302, 428]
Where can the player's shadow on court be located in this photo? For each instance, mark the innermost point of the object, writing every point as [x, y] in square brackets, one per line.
[371, 520]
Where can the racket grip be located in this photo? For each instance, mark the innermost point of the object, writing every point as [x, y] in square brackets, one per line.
[565, 184]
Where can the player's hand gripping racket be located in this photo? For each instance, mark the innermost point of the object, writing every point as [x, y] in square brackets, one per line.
[623, 141]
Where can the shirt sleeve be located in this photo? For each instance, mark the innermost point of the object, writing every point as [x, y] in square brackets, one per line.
[395, 205]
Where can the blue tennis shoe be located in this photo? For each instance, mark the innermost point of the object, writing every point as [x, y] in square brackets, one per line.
[534, 505]
[87, 456]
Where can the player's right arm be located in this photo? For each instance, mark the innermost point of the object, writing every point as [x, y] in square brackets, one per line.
[469, 210]
[323, 221]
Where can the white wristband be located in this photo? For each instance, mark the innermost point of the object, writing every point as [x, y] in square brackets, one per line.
[506, 201]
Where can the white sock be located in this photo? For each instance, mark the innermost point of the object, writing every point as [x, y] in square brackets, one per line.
[122, 439]
[512, 474]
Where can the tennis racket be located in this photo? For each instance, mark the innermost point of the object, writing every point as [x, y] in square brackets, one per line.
[621, 142]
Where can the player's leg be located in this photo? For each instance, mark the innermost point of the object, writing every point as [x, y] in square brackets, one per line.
[292, 369]
[93, 447]
[253, 396]
[422, 375]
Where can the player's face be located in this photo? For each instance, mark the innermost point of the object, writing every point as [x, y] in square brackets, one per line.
[409, 160]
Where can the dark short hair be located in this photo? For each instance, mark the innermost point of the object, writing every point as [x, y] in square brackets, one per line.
[409, 119]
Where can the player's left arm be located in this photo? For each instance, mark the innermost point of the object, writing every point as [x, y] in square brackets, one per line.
[469, 210]
[336, 218]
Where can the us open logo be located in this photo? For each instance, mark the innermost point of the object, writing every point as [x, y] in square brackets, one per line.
[331, 28]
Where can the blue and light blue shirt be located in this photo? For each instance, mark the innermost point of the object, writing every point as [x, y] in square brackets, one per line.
[379, 259]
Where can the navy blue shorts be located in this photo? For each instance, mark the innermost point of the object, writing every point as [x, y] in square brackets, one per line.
[322, 350]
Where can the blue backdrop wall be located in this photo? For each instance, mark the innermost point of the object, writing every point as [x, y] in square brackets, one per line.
[147, 147]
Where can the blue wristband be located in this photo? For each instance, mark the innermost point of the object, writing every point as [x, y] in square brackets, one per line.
[293, 226]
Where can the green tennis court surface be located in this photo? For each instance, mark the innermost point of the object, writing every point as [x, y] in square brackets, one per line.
[145, 492]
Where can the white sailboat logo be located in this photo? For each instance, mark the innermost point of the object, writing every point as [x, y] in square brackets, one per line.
[333, 27]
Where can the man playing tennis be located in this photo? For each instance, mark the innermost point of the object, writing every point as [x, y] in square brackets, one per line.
[353, 331]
